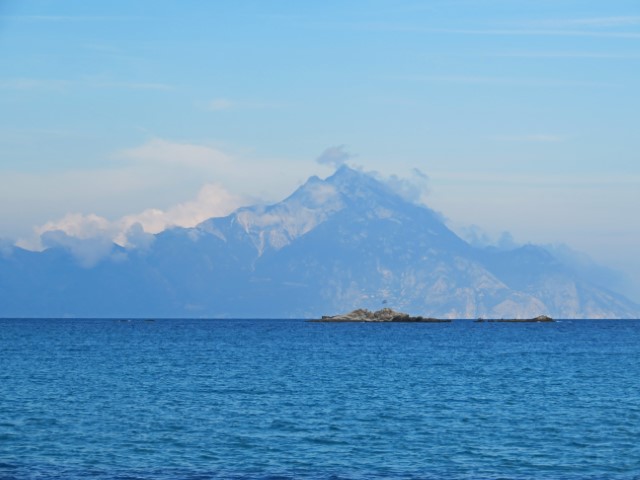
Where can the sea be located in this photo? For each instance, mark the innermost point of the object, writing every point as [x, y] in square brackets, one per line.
[288, 399]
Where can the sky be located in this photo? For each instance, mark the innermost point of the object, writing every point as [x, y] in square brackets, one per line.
[522, 115]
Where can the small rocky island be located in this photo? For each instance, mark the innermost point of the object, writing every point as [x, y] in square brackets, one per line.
[538, 319]
[384, 315]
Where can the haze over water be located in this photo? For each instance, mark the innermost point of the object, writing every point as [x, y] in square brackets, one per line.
[261, 399]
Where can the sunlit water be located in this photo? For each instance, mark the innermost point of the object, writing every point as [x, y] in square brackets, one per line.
[255, 399]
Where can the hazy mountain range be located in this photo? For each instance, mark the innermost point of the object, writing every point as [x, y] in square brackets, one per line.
[334, 245]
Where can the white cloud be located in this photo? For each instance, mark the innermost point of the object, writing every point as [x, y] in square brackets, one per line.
[334, 156]
[413, 188]
[129, 231]
[87, 251]
[155, 166]
[77, 225]
[212, 201]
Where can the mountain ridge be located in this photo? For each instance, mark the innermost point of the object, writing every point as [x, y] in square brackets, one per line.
[333, 245]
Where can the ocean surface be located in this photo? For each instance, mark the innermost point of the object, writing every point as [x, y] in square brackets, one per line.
[287, 399]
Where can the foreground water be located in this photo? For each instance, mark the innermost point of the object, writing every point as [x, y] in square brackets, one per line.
[245, 399]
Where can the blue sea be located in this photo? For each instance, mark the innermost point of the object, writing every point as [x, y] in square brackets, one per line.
[288, 399]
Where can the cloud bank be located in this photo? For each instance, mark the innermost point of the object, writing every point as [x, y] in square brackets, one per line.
[147, 183]
[91, 237]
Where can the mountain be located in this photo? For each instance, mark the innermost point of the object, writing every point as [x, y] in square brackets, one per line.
[334, 245]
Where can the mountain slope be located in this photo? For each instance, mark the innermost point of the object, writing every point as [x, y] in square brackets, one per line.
[333, 245]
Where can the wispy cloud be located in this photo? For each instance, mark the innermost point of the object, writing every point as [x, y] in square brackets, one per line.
[59, 84]
[34, 84]
[536, 32]
[222, 104]
[598, 180]
[563, 55]
[548, 28]
[594, 22]
[219, 104]
[158, 150]
[132, 85]
[69, 18]
[532, 138]
[504, 81]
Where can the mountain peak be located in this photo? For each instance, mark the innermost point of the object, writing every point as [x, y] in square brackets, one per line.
[345, 174]
[355, 184]
[345, 170]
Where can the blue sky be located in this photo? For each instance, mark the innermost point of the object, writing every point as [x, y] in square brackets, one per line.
[523, 114]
